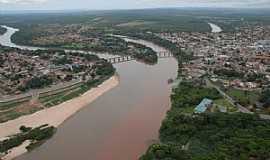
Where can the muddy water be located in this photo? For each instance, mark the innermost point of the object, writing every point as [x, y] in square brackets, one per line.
[120, 124]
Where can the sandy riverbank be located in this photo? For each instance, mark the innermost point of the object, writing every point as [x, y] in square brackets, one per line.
[17, 151]
[56, 115]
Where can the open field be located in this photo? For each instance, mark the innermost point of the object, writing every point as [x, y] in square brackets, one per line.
[245, 98]
[135, 23]
[225, 103]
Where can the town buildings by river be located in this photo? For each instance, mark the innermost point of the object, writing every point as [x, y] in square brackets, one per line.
[244, 52]
[119, 120]
[116, 114]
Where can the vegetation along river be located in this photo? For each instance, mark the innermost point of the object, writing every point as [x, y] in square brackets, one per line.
[120, 124]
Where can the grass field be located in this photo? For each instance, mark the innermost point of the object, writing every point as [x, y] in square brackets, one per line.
[9, 105]
[13, 110]
[245, 98]
[225, 103]
[135, 23]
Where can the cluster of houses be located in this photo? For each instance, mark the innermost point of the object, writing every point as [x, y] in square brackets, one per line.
[238, 60]
[65, 34]
[247, 51]
[17, 69]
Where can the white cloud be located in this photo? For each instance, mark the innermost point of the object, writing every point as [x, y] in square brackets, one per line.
[231, 3]
[112, 4]
[21, 1]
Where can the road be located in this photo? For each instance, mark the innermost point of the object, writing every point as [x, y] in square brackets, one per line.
[52, 89]
[233, 102]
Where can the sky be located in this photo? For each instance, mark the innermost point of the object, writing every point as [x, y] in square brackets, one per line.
[126, 4]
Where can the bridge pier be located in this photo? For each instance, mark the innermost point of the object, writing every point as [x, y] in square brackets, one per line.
[130, 58]
[164, 54]
[111, 61]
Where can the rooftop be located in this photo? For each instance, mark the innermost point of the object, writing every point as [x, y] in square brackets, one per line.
[202, 107]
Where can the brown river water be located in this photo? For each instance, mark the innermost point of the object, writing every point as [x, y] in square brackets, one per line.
[122, 123]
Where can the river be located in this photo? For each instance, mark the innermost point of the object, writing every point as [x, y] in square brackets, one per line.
[5, 40]
[215, 28]
[119, 125]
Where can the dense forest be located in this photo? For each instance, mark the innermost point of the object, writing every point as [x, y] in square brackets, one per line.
[155, 20]
[143, 53]
[216, 136]
[209, 136]
[190, 94]
[265, 97]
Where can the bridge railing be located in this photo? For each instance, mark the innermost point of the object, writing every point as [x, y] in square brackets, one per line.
[122, 59]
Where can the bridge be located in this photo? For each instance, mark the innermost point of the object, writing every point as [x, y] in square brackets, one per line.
[122, 59]
[68, 85]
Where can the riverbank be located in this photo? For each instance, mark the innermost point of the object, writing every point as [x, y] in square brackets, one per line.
[56, 115]
[16, 151]
[116, 113]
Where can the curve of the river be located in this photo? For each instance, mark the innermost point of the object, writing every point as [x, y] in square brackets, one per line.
[215, 28]
[5, 40]
[119, 125]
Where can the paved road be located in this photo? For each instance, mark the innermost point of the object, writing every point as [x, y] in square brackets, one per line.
[53, 88]
[233, 102]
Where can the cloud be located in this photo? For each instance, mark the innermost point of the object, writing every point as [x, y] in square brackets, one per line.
[126, 4]
[21, 1]
[230, 3]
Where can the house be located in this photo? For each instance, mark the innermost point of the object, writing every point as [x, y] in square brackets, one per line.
[203, 106]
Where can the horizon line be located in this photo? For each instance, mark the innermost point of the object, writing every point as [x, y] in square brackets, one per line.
[120, 9]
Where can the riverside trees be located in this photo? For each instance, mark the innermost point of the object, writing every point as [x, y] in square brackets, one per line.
[208, 136]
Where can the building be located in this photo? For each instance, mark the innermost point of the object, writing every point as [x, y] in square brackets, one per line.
[263, 44]
[205, 105]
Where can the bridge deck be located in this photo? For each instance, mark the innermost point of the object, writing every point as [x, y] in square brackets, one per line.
[122, 59]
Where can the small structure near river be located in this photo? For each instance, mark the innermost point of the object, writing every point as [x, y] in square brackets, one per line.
[205, 105]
